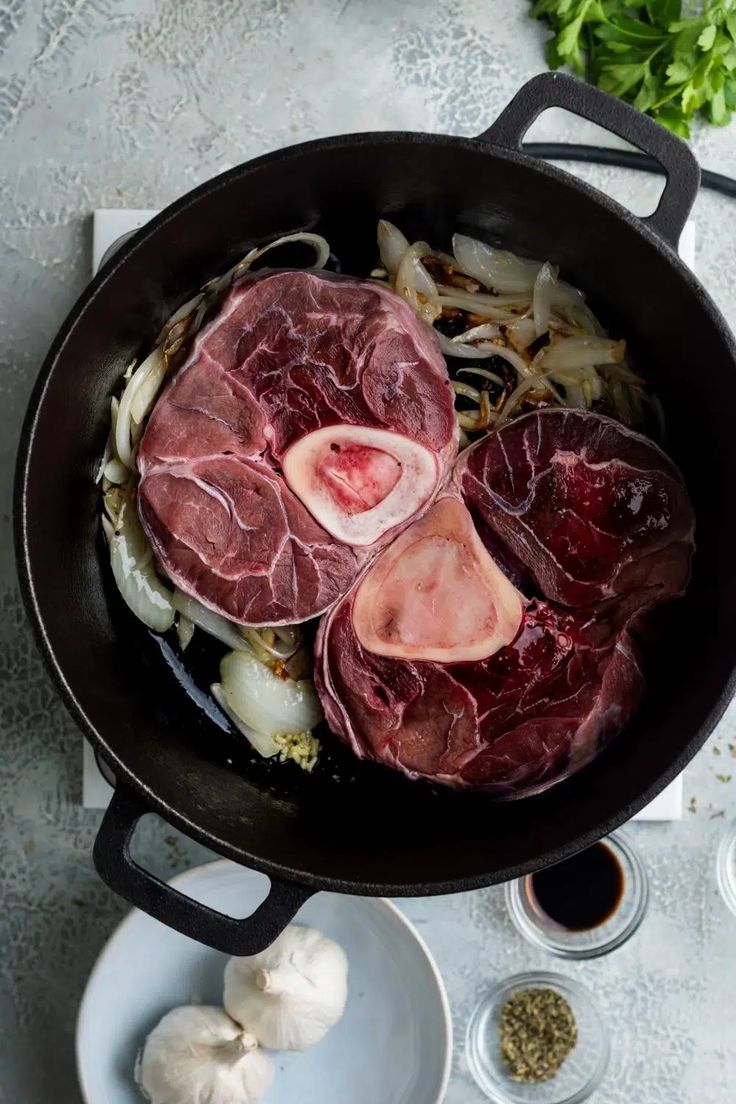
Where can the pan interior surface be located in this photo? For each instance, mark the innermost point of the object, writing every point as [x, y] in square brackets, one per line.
[358, 826]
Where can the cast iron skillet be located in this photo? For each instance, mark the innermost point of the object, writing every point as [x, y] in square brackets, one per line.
[369, 830]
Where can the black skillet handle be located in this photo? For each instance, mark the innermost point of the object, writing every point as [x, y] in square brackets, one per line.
[558, 90]
[235, 937]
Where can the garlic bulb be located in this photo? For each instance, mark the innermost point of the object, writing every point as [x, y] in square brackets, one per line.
[291, 994]
[197, 1055]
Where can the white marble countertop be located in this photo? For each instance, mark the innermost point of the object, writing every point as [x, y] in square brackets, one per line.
[129, 103]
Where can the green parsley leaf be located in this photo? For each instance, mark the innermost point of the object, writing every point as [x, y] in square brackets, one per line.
[718, 113]
[674, 120]
[678, 72]
[671, 59]
[663, 12]
[620, 79]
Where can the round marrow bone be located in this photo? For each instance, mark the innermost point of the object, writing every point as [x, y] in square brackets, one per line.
[358, 482]
[436, 594]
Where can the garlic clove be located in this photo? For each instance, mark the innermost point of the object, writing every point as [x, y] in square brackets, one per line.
[262, 978]
[247, 1042]
[198, 1053]
[292, 993]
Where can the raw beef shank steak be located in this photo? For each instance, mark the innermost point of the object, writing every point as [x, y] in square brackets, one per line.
[500, 656]
[312, 419]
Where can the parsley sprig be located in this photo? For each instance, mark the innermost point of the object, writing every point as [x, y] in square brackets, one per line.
[666, 64]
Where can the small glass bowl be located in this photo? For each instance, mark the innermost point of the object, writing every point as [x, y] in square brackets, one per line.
[538, 928]
[726, 866]
[579, 1075]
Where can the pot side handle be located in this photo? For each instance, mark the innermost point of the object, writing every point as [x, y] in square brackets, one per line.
[681, 169]
[122, 874]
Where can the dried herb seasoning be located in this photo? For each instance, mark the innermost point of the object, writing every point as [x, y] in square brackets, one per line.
[538, 1031]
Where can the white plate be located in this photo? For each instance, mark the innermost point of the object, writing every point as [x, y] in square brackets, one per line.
[392, 1046]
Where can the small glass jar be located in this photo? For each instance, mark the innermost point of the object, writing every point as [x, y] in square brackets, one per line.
[536, 926]
[580, 1074]
[726, 866]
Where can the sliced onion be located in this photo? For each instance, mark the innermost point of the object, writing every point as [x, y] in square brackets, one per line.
[319, 244]
[264, 745]
[580, 351]
[193, 307]
[113, 501]
[266, 701]
[288, 634]
[392, 245]
[136, 432]
[179, 315]
[464, 352]
[496, 269]
[474, 371]
[116, 472]
[529, 384]
[582, 385]
[514, 359]
[215, 287]
[486, 332]
[301, 664]
[473, 298]
[184, 631]
[100, 473]
[110, 443]
[210, 622]
[264, 649]
[466, 390]
[473, 422]
[596, 388]
[495, 308]
[575, 396]
[146, 379]
[253, 640]
[134, 570]
[579, 374]
[147, 392]
[544, 288]
[176, 338]
[569, 303]
[521, 333]
[414, 283]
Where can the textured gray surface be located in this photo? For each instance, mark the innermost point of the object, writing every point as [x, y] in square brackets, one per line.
[130, 103]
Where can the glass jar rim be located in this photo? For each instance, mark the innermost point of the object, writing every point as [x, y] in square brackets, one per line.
[484, 1074]
[561, 942]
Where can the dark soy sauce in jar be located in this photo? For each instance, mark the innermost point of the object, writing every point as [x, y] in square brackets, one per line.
[580, 893]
